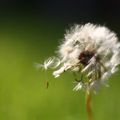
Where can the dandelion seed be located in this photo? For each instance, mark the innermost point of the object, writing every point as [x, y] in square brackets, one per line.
[51, 62]
[78, 86]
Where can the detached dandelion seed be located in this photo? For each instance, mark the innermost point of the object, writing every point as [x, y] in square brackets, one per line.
[89, 50]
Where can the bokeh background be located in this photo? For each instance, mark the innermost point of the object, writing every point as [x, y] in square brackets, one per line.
[30, 32]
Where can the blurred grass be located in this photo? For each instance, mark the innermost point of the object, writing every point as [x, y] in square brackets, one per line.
[23, 95]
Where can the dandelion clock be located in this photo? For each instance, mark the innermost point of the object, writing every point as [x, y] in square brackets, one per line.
[91, 53]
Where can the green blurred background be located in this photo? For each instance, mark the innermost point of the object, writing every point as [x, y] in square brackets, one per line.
[30, 32]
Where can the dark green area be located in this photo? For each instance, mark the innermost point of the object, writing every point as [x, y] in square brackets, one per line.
[23, 94]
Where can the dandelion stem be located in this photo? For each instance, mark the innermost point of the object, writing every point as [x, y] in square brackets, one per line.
[88, 106]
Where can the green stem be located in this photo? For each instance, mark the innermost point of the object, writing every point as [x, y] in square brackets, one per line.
[88, 106]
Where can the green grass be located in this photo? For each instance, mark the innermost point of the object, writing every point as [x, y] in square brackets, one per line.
[23, 95]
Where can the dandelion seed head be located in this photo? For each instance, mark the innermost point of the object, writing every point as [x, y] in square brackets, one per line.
[89, 49]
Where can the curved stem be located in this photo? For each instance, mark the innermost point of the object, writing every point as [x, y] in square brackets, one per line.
[88, 106]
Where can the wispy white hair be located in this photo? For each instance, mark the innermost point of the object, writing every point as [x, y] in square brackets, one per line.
[89, 37]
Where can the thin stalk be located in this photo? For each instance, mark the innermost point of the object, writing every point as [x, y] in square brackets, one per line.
[88, 106]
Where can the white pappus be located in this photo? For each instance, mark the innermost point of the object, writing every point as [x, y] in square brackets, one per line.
[90, 51]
